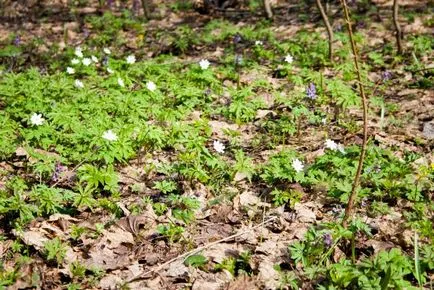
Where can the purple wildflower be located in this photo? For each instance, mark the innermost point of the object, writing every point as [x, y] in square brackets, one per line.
[387, 75]
[110, 3]
[105, 60]
[86, 33]
[328, 240]
[237, 39]
[337, 210]
[17, 40]
[311, 91]
[58, 170]
[361, 25]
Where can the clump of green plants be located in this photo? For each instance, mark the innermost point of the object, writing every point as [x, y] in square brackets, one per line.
[238, 265]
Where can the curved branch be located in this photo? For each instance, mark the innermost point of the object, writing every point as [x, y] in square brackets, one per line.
[328, 26]
[350, 206]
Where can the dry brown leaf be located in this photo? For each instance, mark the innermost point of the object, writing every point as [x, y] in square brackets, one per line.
[177, 270]
[304, 213]
[32, 238]
[268, 275]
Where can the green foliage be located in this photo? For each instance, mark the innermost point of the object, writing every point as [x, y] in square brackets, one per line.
[290, 197]
[244, 165]
[105, 178]
[167, 134]
[55, 250]
[165, 186]
[236, 265]
[196, 261]
[384, 175]
[171, 231]
[183, 207]
[279, 168]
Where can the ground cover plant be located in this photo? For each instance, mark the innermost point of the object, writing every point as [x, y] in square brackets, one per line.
[144, 145]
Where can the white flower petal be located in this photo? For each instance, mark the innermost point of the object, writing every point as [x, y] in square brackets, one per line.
[121, 82]
[297, 165]
[70, 70]
[151, 86]
[79, 84]
[86, 61]
[330, 144]
[204, 64]
[36, 119]
[110, 135]
[78, 52]
[131, 59]
[107, 50]
[219, 147]
[289, 59]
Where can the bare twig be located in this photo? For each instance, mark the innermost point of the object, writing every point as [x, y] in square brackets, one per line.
[328, 26]
[398, 30]
[267, 8]
[350, 206]
[199, 249]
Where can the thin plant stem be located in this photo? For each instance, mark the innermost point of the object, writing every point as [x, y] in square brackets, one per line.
[398, 30]
[353, 248]
[350, 206]
[328, 26]
[267, 8]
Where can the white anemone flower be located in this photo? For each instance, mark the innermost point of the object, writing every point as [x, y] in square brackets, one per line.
[330, 144]
[259, 43]
[109, 135]
[151, 86]
[94, 58]
[289, 59]
[107, 50]
[78, 52]
[79, 84]
[297, 165]
[36, 119]
[121, 82]
[70, 70]
[204, 64]
[110, 71]
[219, 147]
[75, 61]
[131, 59]
[86, 61]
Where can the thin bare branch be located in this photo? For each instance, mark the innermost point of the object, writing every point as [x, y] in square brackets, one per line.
[350, 206]
[398, 30]
[328, 26]
[199, 249]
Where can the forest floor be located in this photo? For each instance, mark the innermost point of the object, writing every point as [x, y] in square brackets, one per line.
[218, 151]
